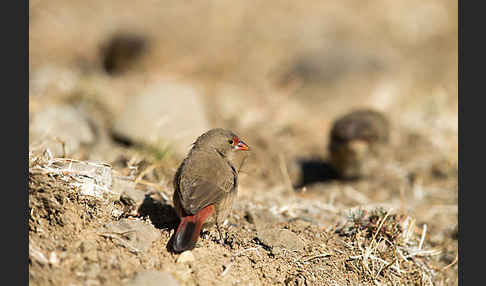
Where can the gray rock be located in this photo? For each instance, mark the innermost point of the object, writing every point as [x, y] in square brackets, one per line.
[262, 219]
[61, 123]
[53, 80]
[152, 278]
[165, 115]
[186, 256]
[281, 238]
[135, 235]
[128, 193]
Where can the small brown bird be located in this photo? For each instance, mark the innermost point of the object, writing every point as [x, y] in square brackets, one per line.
[357, 140]
[205, 185]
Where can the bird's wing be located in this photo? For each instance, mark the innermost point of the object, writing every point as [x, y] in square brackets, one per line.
[198, 193]
[206, 179]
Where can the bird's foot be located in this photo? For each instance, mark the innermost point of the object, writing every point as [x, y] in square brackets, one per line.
[205, 234]
[221, 238]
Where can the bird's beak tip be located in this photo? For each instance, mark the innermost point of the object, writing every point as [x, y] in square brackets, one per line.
[242, 146]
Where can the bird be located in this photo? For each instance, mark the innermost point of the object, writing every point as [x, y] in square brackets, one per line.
[357, 142]
[205, 185]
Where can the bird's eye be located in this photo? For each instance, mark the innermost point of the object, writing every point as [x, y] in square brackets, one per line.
[231, 142]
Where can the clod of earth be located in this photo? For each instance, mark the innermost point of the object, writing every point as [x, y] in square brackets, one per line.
[135, 235]
[281, 238]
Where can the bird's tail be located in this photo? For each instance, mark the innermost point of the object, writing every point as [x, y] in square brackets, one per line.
[188, 231]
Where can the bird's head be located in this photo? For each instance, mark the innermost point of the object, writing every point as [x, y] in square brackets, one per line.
[223, 141]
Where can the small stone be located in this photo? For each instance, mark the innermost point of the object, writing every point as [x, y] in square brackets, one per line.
[185, 256]
[135, 235]
[53, 259]
[281, 238]
[60, 124]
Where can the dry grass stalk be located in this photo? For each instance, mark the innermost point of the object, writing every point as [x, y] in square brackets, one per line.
[90, 178]
[404, 251]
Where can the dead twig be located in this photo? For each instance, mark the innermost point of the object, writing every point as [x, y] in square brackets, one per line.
[317, 256]
[373, 241]
[450, 264]
[424, 230]
[386, 267]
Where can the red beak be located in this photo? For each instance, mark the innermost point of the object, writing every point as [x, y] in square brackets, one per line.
[242, 146]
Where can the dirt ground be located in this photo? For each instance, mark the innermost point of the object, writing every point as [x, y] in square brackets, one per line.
[278, 74]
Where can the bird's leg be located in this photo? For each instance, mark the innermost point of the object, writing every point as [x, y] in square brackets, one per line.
[223, 227]
[205, 233]
[220, 240]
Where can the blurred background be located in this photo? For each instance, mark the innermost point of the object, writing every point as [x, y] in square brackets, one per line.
[164, 71]
[320, 58]
[105, 76]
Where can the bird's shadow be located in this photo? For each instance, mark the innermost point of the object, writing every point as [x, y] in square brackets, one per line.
[315, 171]
[162, 215]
